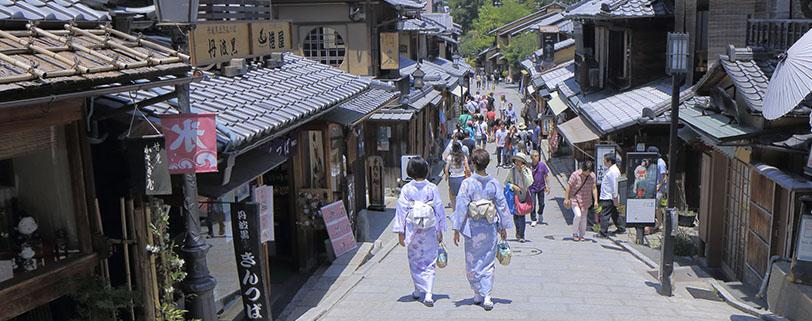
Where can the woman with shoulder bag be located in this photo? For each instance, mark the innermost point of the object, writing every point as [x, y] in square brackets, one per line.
[581, 193]
[482, 217]
[420, 221]
[519, 179]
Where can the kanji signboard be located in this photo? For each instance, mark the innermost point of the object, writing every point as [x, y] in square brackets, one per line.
[219, 42]
[250, 264]
[390, 57]
[191, 141]
[270, 36]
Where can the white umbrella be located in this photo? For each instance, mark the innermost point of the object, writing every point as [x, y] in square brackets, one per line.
[792, 79]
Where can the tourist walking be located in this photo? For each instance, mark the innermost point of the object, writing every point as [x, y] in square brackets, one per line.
[509, 115]
[540, 187]
[481, 132]
[456, 170]
[581, 193]
[420, 222]
[482, 217]
[501, 139]
[609, 196]
[519, 180]
[478, 81]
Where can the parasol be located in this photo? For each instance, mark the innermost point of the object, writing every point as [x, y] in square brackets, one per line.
[792, 79]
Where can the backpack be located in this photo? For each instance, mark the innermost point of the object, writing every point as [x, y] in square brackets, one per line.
[421, 215]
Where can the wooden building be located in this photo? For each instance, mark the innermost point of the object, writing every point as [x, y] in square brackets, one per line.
[47, 186]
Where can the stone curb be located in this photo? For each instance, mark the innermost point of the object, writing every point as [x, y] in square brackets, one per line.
[334, 298]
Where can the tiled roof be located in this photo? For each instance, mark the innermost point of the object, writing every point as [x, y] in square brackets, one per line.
[612, 112]
[264, 100]
[559, 20]
[50, 10]
[554, 77]
[358, 107]
[750, 81]
[436, 74]
[415, 24]
[569, 87]
[558, 46]
[528, 65]
[408, 4]
[621, 9]
[527, 20]
[441, 19]
[418, 99]
[526, 25]
[719, 127]
[64, 62]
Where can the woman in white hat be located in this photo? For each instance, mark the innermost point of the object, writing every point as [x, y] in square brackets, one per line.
[519, 180]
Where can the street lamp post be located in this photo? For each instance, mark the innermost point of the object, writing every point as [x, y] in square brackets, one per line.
[676, 65]
[418, 78]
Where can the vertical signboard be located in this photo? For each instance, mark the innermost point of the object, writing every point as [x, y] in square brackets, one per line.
[600, 151]
[390, 58]
[149, 165]
[270, 36]
[338, 228]
[245, 223]
[641, 171]
[212, 43]
[191, 141]
[263, 195]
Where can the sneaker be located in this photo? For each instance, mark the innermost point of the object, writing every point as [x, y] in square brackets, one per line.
[522, 240]
[478, 299]
[487, 303]
[428, 300]
[533, 224]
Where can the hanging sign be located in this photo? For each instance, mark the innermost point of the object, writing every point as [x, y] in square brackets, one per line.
[641, 201]
[338, 228]
[191, 141]
[390, 58]
[218, 42]
[149, 165]
[270, 36]
[263, 195]
[245, 223]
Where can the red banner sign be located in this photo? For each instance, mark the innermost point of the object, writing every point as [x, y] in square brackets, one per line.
[191, 143]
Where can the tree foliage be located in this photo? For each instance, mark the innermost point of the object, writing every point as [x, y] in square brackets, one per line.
[465, 11]
[489, 18]
[521, 47]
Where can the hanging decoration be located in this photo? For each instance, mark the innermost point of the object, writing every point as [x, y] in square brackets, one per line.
[191, 141]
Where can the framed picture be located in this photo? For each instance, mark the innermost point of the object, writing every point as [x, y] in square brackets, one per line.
[641, 202]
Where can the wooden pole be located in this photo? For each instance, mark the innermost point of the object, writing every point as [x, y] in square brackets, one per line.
[105, 264]
[126, 246]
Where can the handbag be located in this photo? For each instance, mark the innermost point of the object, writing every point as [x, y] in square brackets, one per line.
[442, 256]
[509, 195]
[503, 252]
[522, 208]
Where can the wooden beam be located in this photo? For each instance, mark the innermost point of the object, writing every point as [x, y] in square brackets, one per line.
[75, 162]
[42, 286]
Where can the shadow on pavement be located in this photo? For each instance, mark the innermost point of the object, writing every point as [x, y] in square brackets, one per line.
[470, 301]
[565, 212]
[436, 297]
[743, 318]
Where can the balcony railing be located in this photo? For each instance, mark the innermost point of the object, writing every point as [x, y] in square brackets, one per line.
[776, 34]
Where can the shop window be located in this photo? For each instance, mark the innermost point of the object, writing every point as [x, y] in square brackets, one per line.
[37, 221]
[325, 45]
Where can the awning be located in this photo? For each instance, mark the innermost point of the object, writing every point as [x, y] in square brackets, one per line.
[576, 132]
[457, 91]
[785, 180]
[247, 167]
[557, 105]
[718, 127]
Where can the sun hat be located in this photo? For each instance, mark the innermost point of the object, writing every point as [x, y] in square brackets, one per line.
[522, 157]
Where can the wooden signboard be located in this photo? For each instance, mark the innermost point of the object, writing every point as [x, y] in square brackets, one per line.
[390, 58]
[245, 222]
[270, 36]
[338, 228]
[218, 42]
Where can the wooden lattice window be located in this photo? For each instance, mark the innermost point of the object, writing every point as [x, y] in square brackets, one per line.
[325, 45]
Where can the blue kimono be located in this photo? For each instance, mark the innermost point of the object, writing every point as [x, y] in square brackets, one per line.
[481, 237]
[421, 245]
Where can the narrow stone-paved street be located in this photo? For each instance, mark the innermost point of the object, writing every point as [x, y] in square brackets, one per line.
[550, 278]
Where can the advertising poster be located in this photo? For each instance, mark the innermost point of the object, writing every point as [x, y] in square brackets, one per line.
[641, 172]
[338, 228]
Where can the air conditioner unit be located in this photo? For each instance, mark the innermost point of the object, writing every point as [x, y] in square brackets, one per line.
[594, 75]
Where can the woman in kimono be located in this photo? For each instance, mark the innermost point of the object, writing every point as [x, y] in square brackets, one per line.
[422, 242]
[481, 234]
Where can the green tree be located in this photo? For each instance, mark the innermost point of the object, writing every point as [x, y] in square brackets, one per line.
[521, 47]
[465, 11]
[489, 18]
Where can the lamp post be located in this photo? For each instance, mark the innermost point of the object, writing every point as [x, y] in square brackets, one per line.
[198, 286]
[418, 78]
[676, 65]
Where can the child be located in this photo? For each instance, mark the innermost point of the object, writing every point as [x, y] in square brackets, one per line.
[420, 221]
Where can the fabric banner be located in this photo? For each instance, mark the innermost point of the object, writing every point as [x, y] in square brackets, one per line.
[191, 141]
[245, 223]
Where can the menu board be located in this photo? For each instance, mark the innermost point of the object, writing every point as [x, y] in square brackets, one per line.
[338, 228]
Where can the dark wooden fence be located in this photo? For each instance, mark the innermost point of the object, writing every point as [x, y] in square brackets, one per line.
[776, 34]
[213, 10]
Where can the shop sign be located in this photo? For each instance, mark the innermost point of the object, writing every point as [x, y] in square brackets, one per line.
[600, 151]
[217, 42]
[149, 164]
[270, 36]
[283, 146]
[245, 223]
[338, 228]
[191, 141]
[641, 201]
[263, 195]
[390, 58]
[805, 239]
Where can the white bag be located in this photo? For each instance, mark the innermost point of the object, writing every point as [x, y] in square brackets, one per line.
[483, 208]
[422, 215]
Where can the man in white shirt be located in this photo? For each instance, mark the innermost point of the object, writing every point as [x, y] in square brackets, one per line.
[609, 197]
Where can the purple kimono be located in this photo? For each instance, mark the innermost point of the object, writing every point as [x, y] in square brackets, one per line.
[421, 245]
[481, 237]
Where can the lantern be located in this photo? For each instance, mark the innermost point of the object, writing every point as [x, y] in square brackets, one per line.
[677, 53]
[418, 78]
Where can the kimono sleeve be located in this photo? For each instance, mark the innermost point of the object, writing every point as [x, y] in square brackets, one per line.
[461, 210]
[439, 210]
[399, 226]
[505, 218]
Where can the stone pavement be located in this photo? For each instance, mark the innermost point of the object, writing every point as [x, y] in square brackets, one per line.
[550, 278]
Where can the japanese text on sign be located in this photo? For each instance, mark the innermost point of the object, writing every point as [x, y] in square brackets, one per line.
[390, 58]
[191, 141]
[249, 255]
[270, 36]
[220, 42]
